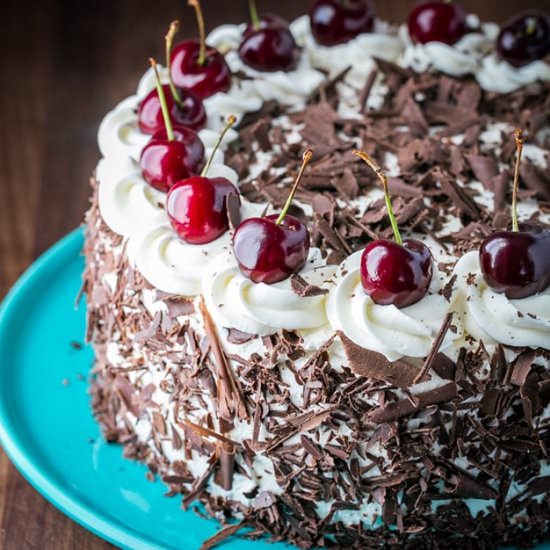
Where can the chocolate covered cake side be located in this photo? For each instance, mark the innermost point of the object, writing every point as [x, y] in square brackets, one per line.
[303, 409]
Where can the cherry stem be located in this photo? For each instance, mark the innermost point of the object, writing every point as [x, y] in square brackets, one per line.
[231, 119]
[254, 17]
[168, 41]
[518, 136]
[308, 153]
[162, 99]
[202, 30]
[383, 178]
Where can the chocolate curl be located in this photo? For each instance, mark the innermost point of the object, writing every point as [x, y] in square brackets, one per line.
[227, 466]
[394, 411]
[435, 348]
[229, 394]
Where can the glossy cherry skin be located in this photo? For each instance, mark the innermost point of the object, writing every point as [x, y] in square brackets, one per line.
[269, 49]
[197, 208]
[437, 22]
[516, 263]
[191, 114]
[336, 21]
[269, 253]
[396, 274]
[164, 162]
[267, 21]
[203, 80]
[525, 38]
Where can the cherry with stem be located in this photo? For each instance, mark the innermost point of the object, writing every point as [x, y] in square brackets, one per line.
[272, 248]
[517, 262]
[198, 207]
[197, 67]
[174, 152]
[184, 107]
[395, 272]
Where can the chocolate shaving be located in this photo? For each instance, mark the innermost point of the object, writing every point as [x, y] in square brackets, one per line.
[427, 365]
[371, 364]
[229, 394]
[403, 407]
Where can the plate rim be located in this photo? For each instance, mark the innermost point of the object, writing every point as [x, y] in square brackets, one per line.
[91, 519]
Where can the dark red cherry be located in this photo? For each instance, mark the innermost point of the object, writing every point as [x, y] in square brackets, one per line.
[198, 208]
[525, 38]
[517, 263]
[190, 114]
[269, 49]
[337, 21]
[266, 21]
[164, 162]
[204, 80]
[437, 22]
[396, 274]
[267, 252]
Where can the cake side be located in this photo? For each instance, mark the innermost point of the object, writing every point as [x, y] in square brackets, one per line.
[320, 455]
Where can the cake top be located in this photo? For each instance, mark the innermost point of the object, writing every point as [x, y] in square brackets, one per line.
[434, 106]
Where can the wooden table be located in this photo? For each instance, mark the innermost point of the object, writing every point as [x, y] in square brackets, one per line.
[64, 65]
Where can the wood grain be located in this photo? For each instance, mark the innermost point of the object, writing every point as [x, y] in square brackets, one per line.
[64, 65]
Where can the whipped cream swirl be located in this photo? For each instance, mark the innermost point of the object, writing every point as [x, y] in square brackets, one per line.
[497, 75]
[463, 57]
[494, 318]
[126, 201]
[234, 301]
[356, 54]
[394, 332]
[287, 87]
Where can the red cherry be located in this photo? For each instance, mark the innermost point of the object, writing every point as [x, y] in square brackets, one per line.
[269, 49]
[437, 22]
[190, 114]
[525, 38]
[397, 274]
[204, 79]
[517, 263]
[337, 21]
[394, 272]
[164, 162]
[198, 208]
[272, 248]
[196, 66]
[267, 252]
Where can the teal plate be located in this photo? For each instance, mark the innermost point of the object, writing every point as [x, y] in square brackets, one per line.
[48, 431]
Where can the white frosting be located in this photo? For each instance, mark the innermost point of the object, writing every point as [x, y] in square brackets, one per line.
[463, 57]
[127, 202]
[357, 54]
[172, 265]
[494, 318]
[497, 75]
[394, 332]
[234, 301]
[287, 87]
